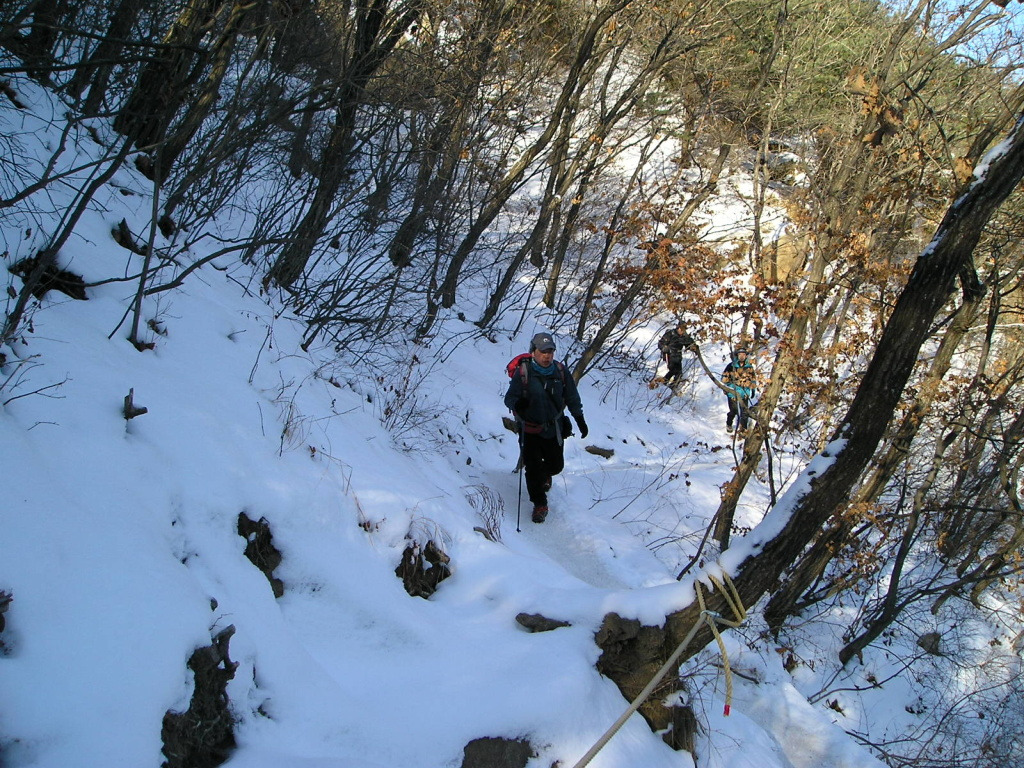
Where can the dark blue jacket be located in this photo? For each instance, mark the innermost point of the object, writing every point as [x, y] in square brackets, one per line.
[547, 394]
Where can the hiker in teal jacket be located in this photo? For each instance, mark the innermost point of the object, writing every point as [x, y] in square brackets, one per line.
[740, 382]
[538, 394]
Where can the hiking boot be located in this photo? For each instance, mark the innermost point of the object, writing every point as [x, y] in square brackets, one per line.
[540, 512]
[728, 427]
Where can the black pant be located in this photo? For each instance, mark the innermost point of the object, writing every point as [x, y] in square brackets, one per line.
[542, 458]
[737, 409]
[675, 368]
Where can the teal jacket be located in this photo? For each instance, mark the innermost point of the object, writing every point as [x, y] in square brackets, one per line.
[740, 380]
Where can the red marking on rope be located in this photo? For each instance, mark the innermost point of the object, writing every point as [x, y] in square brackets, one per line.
[728, 709]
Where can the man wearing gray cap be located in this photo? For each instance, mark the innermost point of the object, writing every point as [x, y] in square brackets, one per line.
[538, 394]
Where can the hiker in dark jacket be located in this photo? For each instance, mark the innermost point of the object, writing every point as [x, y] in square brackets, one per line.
[538, 393]
[671, 345]
[740, 381]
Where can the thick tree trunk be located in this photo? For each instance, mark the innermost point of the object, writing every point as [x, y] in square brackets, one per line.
[814, 562]
[630, 652]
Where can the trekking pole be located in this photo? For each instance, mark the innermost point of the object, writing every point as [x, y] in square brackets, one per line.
[519, 503]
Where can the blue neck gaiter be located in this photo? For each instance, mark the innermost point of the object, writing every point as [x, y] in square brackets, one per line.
[543, 370]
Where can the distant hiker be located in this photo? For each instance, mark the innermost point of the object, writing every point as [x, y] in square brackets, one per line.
[671, 345]
[739, 379]
[538, 393]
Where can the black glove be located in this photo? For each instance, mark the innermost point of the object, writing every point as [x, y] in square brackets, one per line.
[521, 404]
[583, 427]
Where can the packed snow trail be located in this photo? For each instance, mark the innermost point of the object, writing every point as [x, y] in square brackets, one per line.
[579, 551]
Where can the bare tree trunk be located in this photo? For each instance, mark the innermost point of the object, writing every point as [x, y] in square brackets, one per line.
[439, 157]
[37, 47]
[613, 235]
